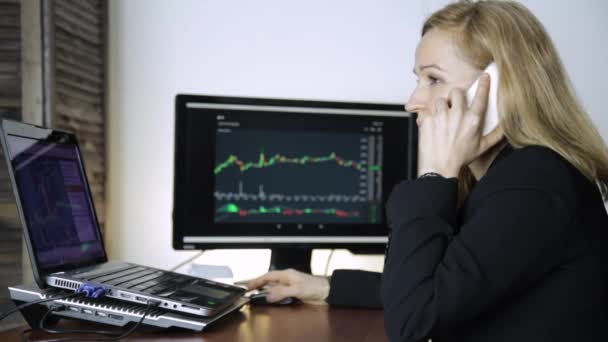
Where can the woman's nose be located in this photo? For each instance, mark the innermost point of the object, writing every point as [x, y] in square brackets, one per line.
[414, 103]
[414, 107]
[411, 107]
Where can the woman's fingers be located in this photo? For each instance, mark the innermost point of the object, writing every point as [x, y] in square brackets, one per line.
[457, 100]
[458, 106]
[281, 277]
[441, 107]
[437, 120]
[257, 283]
[280, 292]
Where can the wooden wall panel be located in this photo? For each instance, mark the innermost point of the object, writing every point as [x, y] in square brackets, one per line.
[79, 81]
[10, 107]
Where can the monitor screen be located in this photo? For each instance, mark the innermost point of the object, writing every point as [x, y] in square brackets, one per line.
[260, 172]
[54, 200]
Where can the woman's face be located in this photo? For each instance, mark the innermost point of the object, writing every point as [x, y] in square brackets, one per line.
[439, 68]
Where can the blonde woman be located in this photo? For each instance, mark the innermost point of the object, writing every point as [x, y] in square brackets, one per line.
[505, 236]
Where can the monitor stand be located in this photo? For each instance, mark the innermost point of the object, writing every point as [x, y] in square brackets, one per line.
[296, 258]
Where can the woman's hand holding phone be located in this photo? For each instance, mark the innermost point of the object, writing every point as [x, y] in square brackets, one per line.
[451, 137]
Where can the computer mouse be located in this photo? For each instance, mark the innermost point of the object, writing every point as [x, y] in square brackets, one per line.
[260, 299]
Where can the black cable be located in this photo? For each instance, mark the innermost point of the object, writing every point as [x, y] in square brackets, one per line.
[112, 338]
[190, 259]
[331, 254]
[25, 305]
[23, 333]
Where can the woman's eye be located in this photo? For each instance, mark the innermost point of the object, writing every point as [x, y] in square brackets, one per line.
[433, 80]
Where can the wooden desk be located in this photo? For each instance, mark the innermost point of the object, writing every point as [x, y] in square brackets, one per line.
[303, 322]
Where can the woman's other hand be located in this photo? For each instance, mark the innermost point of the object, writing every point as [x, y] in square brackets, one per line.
[450, 137]
[291, 283]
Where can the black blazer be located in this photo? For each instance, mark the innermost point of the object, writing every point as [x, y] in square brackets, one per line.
[524, 259]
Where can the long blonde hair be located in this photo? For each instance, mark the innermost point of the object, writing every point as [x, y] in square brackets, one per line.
[536, 101]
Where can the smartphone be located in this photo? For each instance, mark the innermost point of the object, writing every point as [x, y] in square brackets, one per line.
[491, 120]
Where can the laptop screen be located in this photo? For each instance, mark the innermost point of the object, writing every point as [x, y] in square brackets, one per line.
[56, 202]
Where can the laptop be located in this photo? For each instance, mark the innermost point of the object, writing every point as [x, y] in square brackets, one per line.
[63, 236]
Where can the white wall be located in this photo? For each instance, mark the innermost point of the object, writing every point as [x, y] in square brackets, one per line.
[333, 50]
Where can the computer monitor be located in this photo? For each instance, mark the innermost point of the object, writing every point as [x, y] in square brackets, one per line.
[289, 175]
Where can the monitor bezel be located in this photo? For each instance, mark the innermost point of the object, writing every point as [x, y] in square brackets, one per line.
[372, 242]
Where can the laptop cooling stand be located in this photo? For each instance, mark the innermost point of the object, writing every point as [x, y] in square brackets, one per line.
[107, 310]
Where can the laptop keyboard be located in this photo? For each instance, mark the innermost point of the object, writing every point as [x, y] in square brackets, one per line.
[98, 273]
[116, 275]
[166, 285]
[137, 278]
